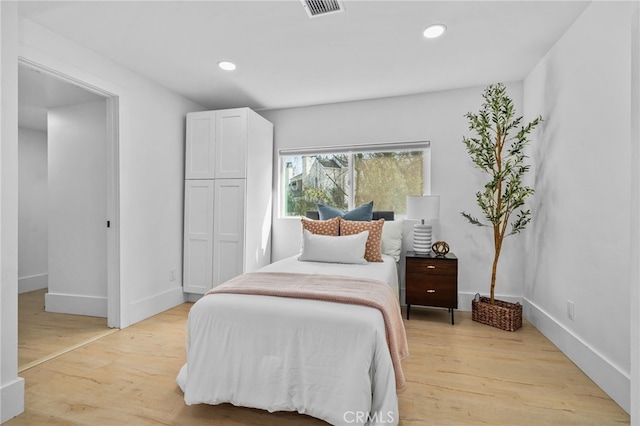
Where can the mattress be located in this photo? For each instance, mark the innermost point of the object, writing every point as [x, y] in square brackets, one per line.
[328, 360]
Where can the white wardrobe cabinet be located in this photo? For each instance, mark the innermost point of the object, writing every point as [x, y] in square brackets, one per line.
[227, 220]
[217, 144]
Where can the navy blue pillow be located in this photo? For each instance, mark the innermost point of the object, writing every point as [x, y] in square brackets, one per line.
[363, 213]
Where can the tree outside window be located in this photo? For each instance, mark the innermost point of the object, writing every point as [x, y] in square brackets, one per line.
[384, 177]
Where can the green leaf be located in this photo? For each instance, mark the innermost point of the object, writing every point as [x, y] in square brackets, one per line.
[472, 220]
[497, 147]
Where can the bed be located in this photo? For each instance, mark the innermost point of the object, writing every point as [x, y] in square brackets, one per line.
[331, 360]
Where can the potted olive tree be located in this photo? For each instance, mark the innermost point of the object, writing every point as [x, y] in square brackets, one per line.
[498, 151]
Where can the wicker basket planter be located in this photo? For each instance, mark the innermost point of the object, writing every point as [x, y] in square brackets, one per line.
[503, 315]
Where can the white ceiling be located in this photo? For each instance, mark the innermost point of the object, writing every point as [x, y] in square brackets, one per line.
[285, 59]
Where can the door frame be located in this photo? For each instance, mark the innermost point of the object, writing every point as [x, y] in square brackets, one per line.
[113, 185]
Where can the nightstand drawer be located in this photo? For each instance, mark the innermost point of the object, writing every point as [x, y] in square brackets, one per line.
[432, 267]
[431, 281]
[442, 293]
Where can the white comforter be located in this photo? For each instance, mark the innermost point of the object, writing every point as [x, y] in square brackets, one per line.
[327, 360]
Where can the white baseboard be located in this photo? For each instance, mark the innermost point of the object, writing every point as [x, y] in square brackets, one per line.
[12, 399]
[193, 297]
[613, 381]
[32, 283]
[153, 305]
[76, 304]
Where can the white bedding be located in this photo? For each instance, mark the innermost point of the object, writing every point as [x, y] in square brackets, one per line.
[327, 360]
[385, 271]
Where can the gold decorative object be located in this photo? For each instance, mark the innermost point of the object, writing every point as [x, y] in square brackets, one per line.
[440, 248]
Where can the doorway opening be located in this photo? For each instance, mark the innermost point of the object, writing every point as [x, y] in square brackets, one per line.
[68, 232]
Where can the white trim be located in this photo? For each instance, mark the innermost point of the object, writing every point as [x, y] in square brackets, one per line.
[114, 303]
[608, 376]
[634, 228]
[32, 283]
[12, 399]
[76, 304]
[193, 297]
[145, 308]
[351, 202]
[373, 147]
[423, 146]
[113, 213]
[26, 62]
[426, 172]
[280, 194]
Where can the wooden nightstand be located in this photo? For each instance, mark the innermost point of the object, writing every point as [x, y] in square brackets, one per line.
[432, 281]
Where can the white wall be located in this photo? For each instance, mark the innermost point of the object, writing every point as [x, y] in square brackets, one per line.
[151, 162]
[11, 386]
[32, 210]
[561, 254]
[151, 175]
[579, 246]
[77, 209]
[635, 224]
[437, 117]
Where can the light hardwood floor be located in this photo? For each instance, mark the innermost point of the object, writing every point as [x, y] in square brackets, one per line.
[465, 374]
[44, 335]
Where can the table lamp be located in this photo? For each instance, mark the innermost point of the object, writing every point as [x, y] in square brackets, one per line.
[424, 208]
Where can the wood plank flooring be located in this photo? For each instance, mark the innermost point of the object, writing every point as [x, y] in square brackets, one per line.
[44, 335]
[467, 374]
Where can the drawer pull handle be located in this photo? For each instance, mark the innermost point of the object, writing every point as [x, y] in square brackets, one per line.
[431, 291]
[431, 267]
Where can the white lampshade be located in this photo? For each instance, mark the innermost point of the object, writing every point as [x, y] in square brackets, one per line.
[424, 208]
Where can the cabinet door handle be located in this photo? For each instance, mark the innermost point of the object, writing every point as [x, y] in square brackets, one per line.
[431, 267]
[431, 291]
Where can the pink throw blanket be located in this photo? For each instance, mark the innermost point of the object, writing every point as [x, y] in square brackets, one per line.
[332, 288]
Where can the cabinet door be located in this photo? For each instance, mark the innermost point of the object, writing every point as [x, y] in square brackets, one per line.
[200, 145]
[231, 144]
[198, 236]
[228, 229]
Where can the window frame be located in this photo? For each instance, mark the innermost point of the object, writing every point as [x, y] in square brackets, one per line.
[424, 146]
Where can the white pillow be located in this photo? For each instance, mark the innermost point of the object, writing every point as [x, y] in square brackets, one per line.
[330, 249]
[392, 238]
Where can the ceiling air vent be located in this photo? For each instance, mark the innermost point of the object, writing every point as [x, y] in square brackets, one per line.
[316, 8]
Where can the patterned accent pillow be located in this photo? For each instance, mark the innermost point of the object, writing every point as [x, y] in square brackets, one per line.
[373, 251]
[322, 227]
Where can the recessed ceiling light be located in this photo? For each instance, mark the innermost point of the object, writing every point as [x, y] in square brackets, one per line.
[435, 31]
[227, 66]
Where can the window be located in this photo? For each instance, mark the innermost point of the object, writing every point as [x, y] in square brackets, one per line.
[346, 177]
